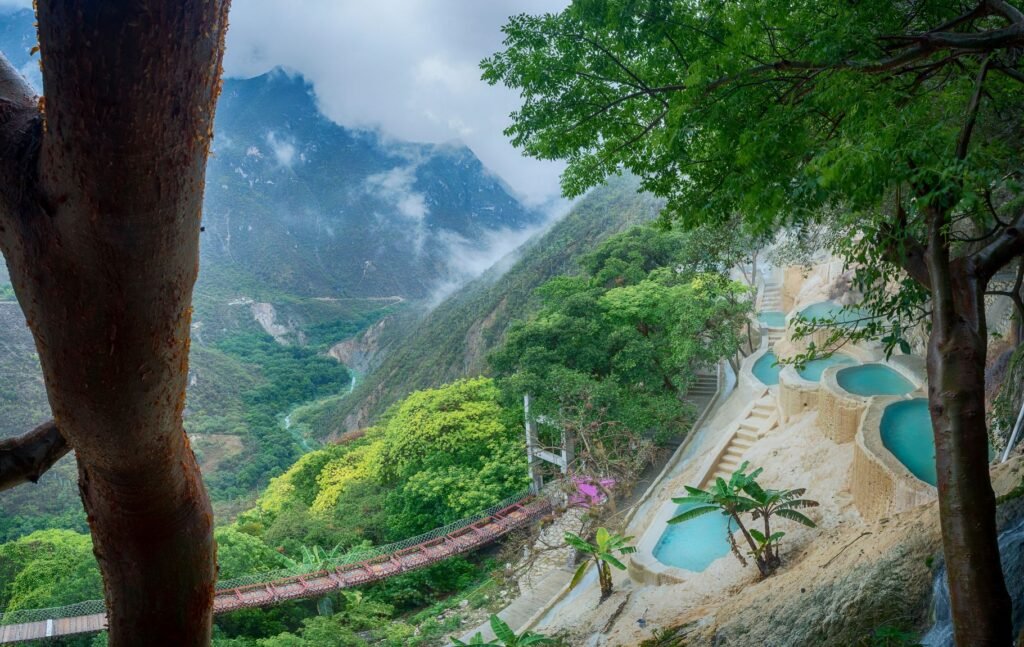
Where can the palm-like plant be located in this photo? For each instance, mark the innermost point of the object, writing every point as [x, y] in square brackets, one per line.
[769, 503]
[727, 498]
[602, 552]
[505, 637]
[740, 495]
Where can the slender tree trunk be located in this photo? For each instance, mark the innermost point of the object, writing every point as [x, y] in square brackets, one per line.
[956, 363]
[761, 565]
[605, 575]
[771, 556]
[100, 229]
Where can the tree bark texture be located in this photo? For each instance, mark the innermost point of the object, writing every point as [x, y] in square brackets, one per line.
[27, 457]
[102, 194]
[956, 394]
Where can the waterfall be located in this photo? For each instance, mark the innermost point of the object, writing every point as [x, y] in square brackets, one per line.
[1011, 550]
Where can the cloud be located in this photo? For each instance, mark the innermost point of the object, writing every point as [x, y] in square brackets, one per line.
[395, 187]
[408, 68]
[497, 251]
[283, 149]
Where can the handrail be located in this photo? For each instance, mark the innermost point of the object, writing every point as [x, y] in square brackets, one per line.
[496, 515]
[678, 454]
[1013, 436]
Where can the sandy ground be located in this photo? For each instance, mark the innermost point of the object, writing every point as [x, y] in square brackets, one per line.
[795, 456]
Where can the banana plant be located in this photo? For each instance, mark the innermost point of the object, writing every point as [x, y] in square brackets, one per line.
[769, 503]
[506, 637]
[728, 499]
[741, 495]
[602, 553]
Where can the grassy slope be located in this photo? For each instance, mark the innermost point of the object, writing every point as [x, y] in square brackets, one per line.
[453, 340]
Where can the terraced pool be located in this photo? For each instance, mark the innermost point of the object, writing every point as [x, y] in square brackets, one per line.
[693, 545]
[766, 369]
[813, 369]
[906, 430]
[874, 379]
[832, 310]
[772, 318]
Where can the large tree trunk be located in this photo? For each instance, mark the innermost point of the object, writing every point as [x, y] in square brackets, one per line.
[956, 394]
[101, 232]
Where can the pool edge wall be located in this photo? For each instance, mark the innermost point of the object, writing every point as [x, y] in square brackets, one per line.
[840, 412]
[643, 567]
[880, 484]
[796, 395]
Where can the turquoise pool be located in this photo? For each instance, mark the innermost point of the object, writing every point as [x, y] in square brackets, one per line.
[813, 369]
[832, 310]
[766, 369]
[873, 379]
[694, 544]
[772, 318]
[906, 430]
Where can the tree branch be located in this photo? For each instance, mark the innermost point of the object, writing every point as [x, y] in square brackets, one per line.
[27, 457]
[20, 129]
[1016, 75]
[904, 250]
[1005, 9]
[963, 141]
[1009, 243]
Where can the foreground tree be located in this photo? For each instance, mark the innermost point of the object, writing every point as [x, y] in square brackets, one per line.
[100, 204]
[900, 122]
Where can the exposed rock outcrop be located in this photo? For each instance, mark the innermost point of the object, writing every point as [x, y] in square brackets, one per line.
[361, 353]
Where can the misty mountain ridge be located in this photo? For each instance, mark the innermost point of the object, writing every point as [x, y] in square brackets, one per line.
[313, 208]
[298, 204]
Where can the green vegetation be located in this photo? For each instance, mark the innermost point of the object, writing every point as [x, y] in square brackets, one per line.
[866, 117]
[440, 455]
[742, 494]
[631, 333]
[48, 568]
[506, 637]
[453, 340]
[287, 376]
[892, 637]
[602, 553]
[1007, 403]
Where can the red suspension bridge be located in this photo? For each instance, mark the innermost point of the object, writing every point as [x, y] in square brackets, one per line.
[268, 589]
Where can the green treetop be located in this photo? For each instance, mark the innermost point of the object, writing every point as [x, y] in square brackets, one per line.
[898, 123]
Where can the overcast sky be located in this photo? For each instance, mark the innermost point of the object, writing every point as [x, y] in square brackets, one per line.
[406, 67]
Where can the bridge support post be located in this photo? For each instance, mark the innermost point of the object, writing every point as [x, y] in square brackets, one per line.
[532, 446]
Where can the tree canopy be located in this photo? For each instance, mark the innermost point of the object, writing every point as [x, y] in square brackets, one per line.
[898, 123]
[648, 313]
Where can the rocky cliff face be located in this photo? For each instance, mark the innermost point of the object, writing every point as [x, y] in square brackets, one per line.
[362, 352]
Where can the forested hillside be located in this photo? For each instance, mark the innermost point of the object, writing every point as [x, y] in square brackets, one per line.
[453, 339]
[311, 233]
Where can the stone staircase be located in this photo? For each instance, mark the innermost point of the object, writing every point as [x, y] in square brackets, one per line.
[704, 386]
[771, 298]
[775, 335]
[760, 419]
